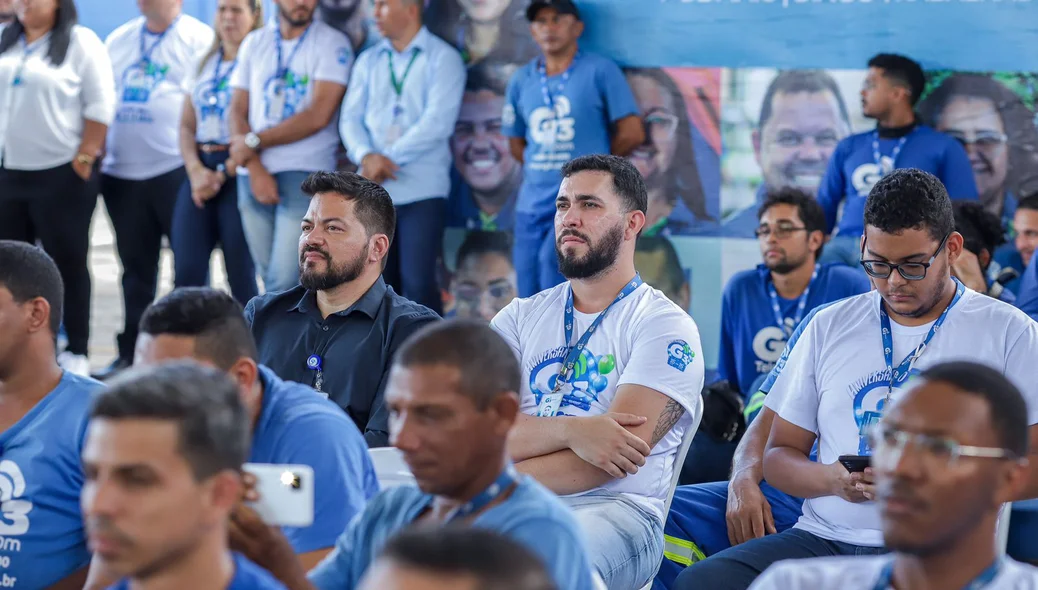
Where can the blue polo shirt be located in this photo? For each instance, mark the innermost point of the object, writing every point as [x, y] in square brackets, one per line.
[532, 516]
[587, 98]
[751, 341]
[247, 576]
[1005, 257]
[42, 540]
[852, 171]
[299, 426]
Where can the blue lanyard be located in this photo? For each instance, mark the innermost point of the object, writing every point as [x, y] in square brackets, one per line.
[542, 69]
[283, 67]
[494, 491]
[801, 304]
[574, 352]
[27, 53]
[219, 79]
[893, 155]
[146, 53]
[986, 577]
[900, 374]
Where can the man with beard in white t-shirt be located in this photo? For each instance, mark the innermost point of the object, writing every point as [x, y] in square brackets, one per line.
[850, 364]
[947, 457]
[612, 373]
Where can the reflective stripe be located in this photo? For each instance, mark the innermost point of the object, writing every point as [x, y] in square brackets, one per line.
[756, 402]
[681, 551]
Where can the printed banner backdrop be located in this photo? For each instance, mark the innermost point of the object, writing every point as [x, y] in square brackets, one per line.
[736, 96]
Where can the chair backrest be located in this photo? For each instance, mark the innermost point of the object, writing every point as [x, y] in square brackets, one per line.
[679, 460]
[390, 467]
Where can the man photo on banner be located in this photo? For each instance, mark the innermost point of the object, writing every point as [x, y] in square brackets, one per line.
[802, 118]
[564, 104]
[893, 86]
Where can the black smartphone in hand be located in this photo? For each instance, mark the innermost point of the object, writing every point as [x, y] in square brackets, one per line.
[855, 463]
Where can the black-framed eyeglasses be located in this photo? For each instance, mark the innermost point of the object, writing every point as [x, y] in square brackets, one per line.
[781, 231]
[910, 271]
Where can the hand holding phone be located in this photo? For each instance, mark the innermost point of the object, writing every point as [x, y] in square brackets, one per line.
[855, 463]
[286, 494]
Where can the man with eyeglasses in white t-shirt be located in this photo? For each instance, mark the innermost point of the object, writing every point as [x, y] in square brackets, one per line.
[850, 364]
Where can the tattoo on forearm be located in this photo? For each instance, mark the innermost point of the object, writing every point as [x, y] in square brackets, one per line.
[670, 415]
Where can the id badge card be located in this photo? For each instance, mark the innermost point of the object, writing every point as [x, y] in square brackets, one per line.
[136, 84]
[276, 102]
[209, 129]
[550, 404]
[393, 133]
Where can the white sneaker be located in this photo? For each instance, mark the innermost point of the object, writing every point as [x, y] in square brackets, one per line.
[77, 364]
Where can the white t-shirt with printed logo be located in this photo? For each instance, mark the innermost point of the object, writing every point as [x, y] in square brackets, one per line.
[836, 376]
[863, 573]
[325, 55]
[143, 140]
[644, 340]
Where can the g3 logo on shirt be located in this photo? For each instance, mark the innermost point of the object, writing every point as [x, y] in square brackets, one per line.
[867, 175]
[680, 355]
[870, 394]
[589, 379]
[549, 128]
[15, 519]
[768, 345]
[140, 80]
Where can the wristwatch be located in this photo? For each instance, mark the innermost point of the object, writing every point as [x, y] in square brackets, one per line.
[85, 159]
[252, 141]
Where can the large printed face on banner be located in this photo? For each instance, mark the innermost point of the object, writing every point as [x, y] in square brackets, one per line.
[483, 29]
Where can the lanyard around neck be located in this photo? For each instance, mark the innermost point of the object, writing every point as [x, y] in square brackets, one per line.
[502, 484]
[893, 155]
[398, 85]
[147, 51]
[284, 66]
[542, 69]
[801, 304]
[27, 51]
[219, 79]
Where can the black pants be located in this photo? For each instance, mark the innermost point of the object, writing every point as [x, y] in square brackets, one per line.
[55, 206]
[411, 261]
[141, 212]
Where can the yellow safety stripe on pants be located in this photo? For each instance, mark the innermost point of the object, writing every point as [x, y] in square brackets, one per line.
[756, 402]
[681, 551]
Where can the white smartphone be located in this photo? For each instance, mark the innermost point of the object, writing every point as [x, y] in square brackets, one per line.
[286, 493]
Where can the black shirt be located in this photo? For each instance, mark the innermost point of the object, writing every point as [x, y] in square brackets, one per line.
[356, 346]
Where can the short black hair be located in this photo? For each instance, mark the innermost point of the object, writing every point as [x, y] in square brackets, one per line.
[909, 198]
[1005, 402]
[980, 228]
[902, 71]
[1029, 202]
[488, 366]
[371, 203]
[479, 242]
[203, 401]
[487, 75]
[673, 275]
[808, 209]
[627, 181]
[213, 318]
[497, 562]
[797, 81]
[28, 272]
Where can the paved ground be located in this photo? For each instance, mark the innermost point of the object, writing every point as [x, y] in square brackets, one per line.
[106, 318]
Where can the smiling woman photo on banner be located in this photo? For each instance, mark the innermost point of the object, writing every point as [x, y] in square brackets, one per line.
[484, 29]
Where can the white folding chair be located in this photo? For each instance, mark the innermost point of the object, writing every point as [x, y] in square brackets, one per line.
[390, 467]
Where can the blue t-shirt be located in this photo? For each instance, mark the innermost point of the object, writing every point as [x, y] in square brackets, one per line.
[751, 342]
[852, 172]
[247, 576]
[587, 98]
[1027, 296]
[41, 475]
[1005, 257]
[532, 516]
[299, 426]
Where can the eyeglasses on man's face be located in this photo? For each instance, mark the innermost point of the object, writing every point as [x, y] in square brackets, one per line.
[934, 453]
[781, 230]
[910, 271]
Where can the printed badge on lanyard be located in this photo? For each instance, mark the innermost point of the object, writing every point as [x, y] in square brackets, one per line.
[551, 403]
[899, 374]
[142, 77]
[278, 85]
[396, 126]
[214, 101]
[801, 305]
[549, 98]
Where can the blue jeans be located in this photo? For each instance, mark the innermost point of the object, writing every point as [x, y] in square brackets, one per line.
[412, 259]
[534, 257]
[196, 232]
[738, 567]
[624, 540]
[272, 231]
[845, 249]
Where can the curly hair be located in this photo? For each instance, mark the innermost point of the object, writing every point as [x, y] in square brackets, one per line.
[908, 198]
[980, 229]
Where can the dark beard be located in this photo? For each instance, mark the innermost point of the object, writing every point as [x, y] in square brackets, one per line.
[925, 308]
[335, 275]
[599, 258]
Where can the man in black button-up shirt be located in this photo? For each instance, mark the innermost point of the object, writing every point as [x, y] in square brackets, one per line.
[339, 329]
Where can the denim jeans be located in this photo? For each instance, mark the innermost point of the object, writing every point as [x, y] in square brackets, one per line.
[196, 232]
[624, 540]
[272, 231]
[736, 568]
[534, 257]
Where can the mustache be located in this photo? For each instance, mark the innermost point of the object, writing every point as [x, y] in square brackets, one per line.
[308, 249]
[103, 525]
[572, 232]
